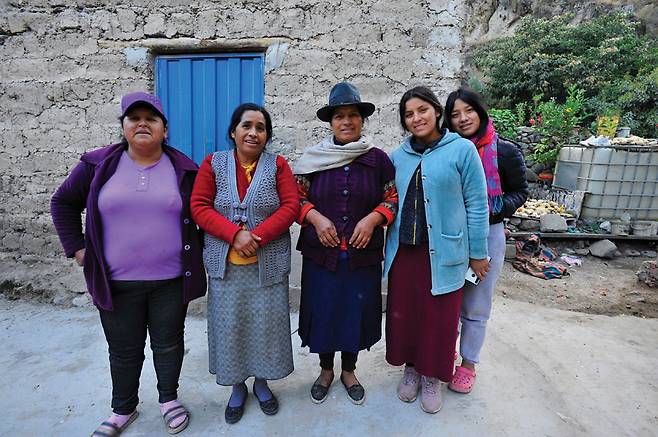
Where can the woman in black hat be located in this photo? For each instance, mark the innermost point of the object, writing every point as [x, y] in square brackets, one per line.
[347, 191]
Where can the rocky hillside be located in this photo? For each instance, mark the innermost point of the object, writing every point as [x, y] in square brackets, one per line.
[490, 19]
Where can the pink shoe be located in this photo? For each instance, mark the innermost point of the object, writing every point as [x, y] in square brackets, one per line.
[463, 380]
[431, 398]
[408, 386]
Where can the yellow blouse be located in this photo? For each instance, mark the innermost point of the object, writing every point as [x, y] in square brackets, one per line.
[233, 256]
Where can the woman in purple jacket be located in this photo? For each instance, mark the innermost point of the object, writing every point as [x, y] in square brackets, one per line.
[141, 253]
[347, 193]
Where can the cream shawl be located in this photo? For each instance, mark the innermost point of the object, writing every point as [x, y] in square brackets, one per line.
[326, 155]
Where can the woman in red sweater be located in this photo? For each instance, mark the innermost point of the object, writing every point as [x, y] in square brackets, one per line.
[245, 200]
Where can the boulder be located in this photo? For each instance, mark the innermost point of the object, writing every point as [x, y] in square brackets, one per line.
[552, 223]
[603, 249]
[632, 252]
[649, 253]
[529, 225]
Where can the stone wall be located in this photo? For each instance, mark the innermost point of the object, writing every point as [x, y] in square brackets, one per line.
[65, 64]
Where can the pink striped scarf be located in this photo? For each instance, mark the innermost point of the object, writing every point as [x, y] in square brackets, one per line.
[487, 146]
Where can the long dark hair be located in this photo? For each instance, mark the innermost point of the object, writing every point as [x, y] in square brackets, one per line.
[471, 98]
[425, 94]
[237, 116]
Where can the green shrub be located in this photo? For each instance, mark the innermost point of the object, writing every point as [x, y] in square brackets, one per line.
[557, 124]
[504, 121]
[507, 121]
[636, 101]
[605, 57]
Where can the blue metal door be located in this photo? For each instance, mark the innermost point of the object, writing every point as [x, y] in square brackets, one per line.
[199, 94]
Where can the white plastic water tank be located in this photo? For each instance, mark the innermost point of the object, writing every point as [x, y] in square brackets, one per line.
[617, 179]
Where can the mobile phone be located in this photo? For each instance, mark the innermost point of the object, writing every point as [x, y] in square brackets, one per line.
[471, 276]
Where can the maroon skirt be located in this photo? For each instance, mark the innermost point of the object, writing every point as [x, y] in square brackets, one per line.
[420, 328]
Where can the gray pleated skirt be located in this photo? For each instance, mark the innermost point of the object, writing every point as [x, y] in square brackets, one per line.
[248, 327]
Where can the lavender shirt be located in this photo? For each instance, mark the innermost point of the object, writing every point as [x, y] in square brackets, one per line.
[140, 209]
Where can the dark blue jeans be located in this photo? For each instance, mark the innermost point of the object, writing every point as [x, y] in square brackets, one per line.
[156, 306]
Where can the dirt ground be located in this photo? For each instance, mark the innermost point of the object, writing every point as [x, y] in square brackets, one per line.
[608, 287]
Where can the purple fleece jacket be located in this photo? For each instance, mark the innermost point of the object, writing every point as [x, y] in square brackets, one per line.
[80, 191]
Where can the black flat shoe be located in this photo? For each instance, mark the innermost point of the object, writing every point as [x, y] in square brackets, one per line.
[319, 392]
[356, 393]
[270, 406]
[234, 414]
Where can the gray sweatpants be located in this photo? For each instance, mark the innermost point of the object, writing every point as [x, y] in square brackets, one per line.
[477, 299]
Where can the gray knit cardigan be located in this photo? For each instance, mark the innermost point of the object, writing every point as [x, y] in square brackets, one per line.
[261, 200]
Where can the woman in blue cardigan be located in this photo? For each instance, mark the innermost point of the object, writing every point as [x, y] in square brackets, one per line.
[440, 230]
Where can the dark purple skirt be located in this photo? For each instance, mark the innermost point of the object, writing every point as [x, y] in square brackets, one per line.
[420, 328]
[341, 310]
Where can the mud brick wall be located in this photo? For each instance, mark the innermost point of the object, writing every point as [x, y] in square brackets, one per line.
[65, 64]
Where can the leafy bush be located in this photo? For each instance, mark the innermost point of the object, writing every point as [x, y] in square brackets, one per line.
[606, 57]
[636, 101]
[504, 121]
[557, 124]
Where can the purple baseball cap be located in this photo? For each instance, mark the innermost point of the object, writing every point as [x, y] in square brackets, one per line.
[140, 97]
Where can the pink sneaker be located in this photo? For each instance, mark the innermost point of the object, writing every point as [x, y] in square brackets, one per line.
[463, 380]
[408, 386]
[431, 399]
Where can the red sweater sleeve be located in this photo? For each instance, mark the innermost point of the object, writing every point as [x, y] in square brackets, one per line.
[389, 204]
[303, 187]
[202, 204]
[273, 226]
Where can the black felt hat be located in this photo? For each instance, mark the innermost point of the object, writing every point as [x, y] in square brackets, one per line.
[344, 94]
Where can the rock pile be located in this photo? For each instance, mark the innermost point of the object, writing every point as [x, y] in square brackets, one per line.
[648, 273]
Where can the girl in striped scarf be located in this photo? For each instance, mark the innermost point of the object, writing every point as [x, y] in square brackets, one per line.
[507, 189]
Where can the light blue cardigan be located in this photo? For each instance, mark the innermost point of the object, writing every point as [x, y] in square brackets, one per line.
[456, 207]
